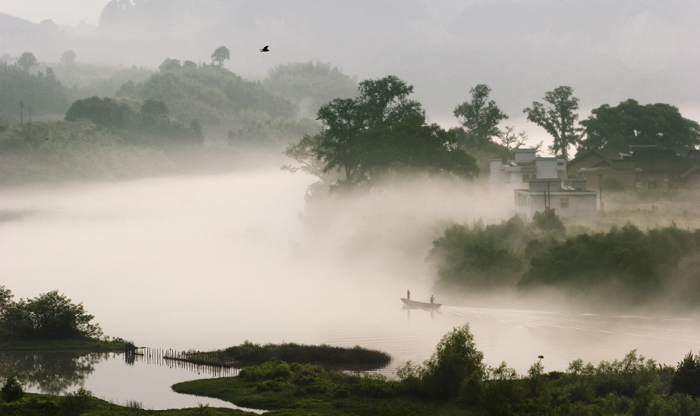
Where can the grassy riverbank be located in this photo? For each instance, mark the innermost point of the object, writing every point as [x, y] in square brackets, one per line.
[455, 381]
[77, 404]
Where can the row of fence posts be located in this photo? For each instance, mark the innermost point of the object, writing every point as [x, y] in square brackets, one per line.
[199, 362]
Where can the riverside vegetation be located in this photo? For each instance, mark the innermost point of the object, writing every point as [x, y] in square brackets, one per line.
[456, 381]
[453, 381]
[634, 267]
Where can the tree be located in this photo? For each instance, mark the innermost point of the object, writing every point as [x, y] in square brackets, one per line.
[220, 55]
[548, 220]
[455, 368]
[68, 58]
[27, 61]
[49, 316]
[378, 131]
[557, 119]
[479, 116]
[169, 65]
[630, 123]
[154, 112]
[686, 379]
[511, 141]
[103, 111]
[5, 298]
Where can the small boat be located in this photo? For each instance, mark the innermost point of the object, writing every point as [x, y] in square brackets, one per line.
[424, 305]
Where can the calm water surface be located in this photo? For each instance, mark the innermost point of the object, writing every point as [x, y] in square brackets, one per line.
[211, 261]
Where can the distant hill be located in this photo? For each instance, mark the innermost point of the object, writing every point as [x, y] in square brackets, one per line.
[607, 50]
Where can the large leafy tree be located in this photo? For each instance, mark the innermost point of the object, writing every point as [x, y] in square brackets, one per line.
[480, 116]
[558, 118]
[630, 123]
[51, 315]
[378, 131]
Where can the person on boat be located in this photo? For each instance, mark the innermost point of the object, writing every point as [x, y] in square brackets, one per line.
[431, 299]
[408, 294]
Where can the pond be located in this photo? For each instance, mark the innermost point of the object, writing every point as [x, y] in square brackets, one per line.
[210, 261]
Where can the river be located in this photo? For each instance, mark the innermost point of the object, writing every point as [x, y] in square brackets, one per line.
[210, 261]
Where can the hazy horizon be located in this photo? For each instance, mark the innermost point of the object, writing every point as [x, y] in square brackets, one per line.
[608, 51]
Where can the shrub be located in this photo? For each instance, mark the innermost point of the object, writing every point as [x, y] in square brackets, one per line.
[267, 371]
[548, 221]
[686, 379]
[76, 402]
[12, 390]
[455, 368]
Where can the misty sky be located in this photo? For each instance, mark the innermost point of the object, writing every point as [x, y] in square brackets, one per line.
[63, 12]
[607, 50]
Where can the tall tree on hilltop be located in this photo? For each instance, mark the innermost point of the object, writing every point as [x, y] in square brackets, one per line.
[480, 117]
[220, 55]
[557, 119]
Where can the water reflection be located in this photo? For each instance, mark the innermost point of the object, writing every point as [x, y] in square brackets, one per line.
[52, 372]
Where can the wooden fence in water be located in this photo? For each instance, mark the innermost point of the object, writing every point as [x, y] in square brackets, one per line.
[196, 361]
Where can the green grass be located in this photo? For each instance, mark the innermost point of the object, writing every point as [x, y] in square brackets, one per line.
[354, 358]
[41, 404]
[304, 389]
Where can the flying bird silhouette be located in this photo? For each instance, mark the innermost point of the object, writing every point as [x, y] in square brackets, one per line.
[265, 49]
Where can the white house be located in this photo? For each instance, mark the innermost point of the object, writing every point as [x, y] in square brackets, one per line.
[517, 172]
[572, 203]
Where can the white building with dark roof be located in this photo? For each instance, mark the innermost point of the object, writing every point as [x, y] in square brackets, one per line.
[573, 203]
[517, 172]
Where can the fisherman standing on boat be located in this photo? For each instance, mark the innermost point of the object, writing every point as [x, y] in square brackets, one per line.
[408, 294]
[431, 299]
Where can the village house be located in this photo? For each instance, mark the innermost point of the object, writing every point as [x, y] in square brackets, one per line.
[517, 172]
[643, 167]
[537, 183]
[573, 203]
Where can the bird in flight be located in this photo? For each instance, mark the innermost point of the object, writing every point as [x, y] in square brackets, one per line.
[265, 49]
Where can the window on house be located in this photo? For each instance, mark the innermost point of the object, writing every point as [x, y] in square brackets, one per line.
[527, 177]
[564, 202]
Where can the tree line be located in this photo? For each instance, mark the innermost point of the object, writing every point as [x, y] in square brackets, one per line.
[608, 127]
[48, 316]
[627, 264]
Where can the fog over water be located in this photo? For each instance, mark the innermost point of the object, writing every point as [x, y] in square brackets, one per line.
[211, 261]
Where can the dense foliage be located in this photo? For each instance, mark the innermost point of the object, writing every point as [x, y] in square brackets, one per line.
[48, 316]
[211, 94]
[250, 353]
[41, 91]
[379, 131]
[630, 123]
[53, 151]
[635, 260]
[152, 118]
[626, 263]
[455, 381]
